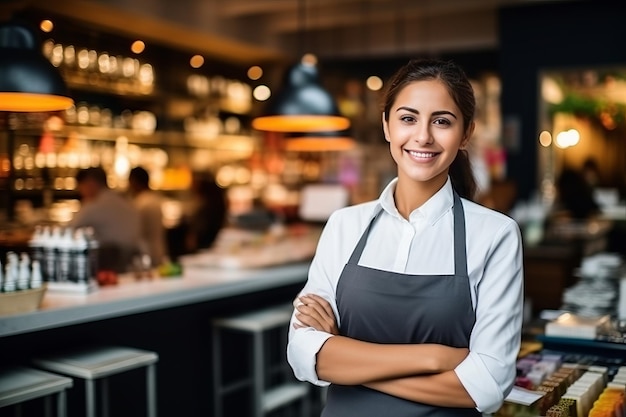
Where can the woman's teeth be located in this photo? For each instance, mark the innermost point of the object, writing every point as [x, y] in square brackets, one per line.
[422, 154]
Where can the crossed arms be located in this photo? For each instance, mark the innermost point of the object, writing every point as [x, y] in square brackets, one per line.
[416, 372]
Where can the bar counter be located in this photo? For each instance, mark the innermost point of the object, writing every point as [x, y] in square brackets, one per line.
[133, 296]
[171, 316]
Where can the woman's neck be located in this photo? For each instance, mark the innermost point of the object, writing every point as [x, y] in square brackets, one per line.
[410, 195]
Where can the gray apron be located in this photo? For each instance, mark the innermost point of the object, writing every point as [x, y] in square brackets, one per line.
[389, 307]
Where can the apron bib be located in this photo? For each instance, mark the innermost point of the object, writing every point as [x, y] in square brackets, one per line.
[387, 307]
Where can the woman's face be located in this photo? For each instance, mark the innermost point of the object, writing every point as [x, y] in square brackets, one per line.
[425, 132]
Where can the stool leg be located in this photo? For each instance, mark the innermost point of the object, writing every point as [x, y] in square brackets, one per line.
[258, 377]
[90, 398]
[151, 390]
[104, 396]
[217, 373]
[61, 404]
[18, 410]
[306, 406]
[47, 406]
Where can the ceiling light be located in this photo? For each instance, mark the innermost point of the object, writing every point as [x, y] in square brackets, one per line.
[261, 92]
[255, 72]
[138, 46]
[301, 105]
[374, 83]
[28, 81]
[46, 26]
[196, 61]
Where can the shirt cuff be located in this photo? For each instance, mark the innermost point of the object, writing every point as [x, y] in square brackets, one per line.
[302, 354]
[479, 384]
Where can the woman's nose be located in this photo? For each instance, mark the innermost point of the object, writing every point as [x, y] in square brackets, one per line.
[422, 134]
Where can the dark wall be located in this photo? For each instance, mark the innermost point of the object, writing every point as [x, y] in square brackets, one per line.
[567, 34]
[475, 63]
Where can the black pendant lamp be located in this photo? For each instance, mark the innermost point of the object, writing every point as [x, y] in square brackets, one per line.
[28, 81]
[301, 105]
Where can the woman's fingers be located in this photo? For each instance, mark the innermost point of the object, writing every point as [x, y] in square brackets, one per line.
[316, 312]
[322, 302]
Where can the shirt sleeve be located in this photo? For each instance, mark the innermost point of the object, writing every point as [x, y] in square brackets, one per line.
[305, 343]
[488, 372]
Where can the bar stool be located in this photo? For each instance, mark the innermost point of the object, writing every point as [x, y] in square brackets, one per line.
[20, 384]
[97, 364]
[265, 397]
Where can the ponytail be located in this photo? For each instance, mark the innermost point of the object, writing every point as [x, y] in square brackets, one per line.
[462, 176]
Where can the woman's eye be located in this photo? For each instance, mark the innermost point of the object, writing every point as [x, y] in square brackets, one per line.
[441, 122]
[407, 119]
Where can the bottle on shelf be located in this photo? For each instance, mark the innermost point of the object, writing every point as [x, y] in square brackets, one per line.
[36, 279]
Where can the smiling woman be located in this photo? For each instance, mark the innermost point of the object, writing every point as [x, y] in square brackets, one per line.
[413, 305]
[446, 125]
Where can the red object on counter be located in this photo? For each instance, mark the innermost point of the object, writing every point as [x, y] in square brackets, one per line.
[106, 277]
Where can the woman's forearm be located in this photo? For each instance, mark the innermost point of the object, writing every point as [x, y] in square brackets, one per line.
[442, 389]
[347, 361]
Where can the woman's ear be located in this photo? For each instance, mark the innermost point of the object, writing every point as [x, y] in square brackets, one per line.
[385, 127]
[468, 135]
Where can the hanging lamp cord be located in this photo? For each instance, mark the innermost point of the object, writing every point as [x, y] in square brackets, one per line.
[303, 38]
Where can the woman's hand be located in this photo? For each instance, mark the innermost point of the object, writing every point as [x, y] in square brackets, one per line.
[314, 311]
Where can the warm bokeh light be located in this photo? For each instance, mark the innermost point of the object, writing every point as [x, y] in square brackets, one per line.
[261, 92]
[301, 123]
[31, 102]
[545, 138]
[374, 83]
[46, 26]
[551, 92]
[196, 61]
[138, 46]
[255, 72]
[567, 138]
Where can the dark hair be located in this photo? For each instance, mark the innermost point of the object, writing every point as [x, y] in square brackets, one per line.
[139, 176]
[458, 85]
[96, 174]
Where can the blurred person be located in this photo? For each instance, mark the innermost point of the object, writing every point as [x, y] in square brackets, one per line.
[148, 203]
[591, 173]
[114, 220]
[203, 217]
[575, 198]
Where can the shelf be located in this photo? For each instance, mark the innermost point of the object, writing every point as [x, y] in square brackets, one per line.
[169, 138]
[582, 345]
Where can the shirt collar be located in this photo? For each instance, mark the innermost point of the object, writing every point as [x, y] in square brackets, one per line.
[432, 210]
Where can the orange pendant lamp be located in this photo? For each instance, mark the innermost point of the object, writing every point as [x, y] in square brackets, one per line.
[327, 141]
[28, 81]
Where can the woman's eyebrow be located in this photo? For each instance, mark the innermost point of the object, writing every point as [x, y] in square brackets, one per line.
[436, 113]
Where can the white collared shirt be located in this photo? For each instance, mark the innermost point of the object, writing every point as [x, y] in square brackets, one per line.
[424, 245]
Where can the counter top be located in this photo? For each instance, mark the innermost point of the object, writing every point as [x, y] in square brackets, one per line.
[131, 296]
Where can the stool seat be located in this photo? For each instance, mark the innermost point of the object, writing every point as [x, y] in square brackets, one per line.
[257, 321]
[97, 363]
[284, 394]
[20, 384]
